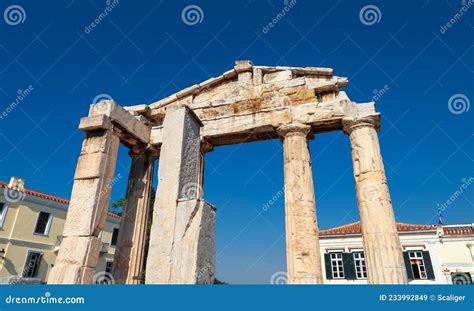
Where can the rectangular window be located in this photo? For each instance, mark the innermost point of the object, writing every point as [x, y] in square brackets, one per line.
[113, 242]
[43, 223]
[32, 264]
[108, 266]
[337, 266]
[3, 212]
[417, 265]
[359, 263]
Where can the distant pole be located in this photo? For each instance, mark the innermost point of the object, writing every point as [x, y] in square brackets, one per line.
[440, 215]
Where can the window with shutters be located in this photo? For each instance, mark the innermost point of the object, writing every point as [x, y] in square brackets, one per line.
[113, 241]
[337, 266]
[359, 263]
[417, 265]
[43, 223]
[32, 264]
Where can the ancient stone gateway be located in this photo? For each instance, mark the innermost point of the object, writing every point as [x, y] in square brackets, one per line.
[247, 103]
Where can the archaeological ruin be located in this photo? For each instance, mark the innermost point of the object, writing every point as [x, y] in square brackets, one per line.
[247, 103]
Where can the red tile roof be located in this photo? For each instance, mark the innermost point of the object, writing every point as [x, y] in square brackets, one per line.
[459, 230]
[51, 197]
[355, 228]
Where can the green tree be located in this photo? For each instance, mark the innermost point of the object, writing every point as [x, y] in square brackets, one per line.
[117, 207]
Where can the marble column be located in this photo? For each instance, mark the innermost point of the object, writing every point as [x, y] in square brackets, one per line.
[129, 252]
[80, 247]
[182, 235]
[302, 233]
[383, 253]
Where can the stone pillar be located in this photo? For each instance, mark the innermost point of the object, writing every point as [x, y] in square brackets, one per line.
[182, 236]
[87, 212]
[303, 257]
[383, 253]
[128, 259]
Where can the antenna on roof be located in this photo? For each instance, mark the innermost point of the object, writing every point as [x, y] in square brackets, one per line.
[440, 215]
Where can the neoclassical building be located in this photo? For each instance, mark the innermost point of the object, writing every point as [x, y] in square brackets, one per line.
[31, 227]
[433, 254]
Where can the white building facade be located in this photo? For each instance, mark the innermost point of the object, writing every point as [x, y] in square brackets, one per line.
[433, 254]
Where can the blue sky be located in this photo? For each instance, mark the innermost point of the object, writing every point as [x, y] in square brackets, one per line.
[142, 52]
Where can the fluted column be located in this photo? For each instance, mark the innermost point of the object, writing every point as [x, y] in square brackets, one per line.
[383, 253]
[128, 259]
[302, 234]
